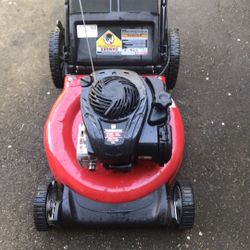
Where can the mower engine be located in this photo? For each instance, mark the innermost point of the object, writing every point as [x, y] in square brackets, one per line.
[125, 118]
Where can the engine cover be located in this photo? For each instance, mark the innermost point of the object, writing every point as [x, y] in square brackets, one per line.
[125, 117]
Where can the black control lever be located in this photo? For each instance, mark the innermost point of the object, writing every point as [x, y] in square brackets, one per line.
[161, 101]
[86, 81]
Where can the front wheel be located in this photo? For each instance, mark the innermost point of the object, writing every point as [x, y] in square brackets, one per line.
[46, 206]
[40, 209]
[184, 206]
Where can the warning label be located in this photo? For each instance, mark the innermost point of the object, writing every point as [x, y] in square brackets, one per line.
[134, 42]
[109, 44]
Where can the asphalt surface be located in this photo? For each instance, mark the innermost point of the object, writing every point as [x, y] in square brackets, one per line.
[213, 94]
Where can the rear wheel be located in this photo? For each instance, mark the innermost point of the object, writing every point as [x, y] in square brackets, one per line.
[174, 60]
[56, 54]
[184, 207]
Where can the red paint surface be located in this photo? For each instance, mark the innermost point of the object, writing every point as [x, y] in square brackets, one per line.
[60, 139]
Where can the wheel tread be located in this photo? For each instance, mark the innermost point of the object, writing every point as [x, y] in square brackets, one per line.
[175, 50]
[54, 58]
[39, 209]
[188, 205]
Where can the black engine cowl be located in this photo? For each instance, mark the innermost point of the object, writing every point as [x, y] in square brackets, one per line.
[126, 117]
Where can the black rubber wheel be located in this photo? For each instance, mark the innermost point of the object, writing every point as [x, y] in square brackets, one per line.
[174, 62]
[56, 44]
[184, 206]
[39, 209]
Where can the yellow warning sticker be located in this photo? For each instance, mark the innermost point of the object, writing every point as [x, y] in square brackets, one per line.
[109, 44]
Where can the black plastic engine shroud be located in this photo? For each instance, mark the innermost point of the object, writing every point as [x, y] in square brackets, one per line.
[126, 116]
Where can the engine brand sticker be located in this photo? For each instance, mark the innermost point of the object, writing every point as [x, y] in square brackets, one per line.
[90, 31]
[109, 44]
[134, 42]
[113, 135]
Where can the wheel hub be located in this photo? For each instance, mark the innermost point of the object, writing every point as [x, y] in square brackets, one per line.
[52, 204]
[177, 204]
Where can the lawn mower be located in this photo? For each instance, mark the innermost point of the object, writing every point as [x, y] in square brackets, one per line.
[114, 138]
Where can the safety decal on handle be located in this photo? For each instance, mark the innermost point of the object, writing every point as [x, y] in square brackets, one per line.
[134, 42]
[109, 44]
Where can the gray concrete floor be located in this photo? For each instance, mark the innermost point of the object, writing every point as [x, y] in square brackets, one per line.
[213, 94]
